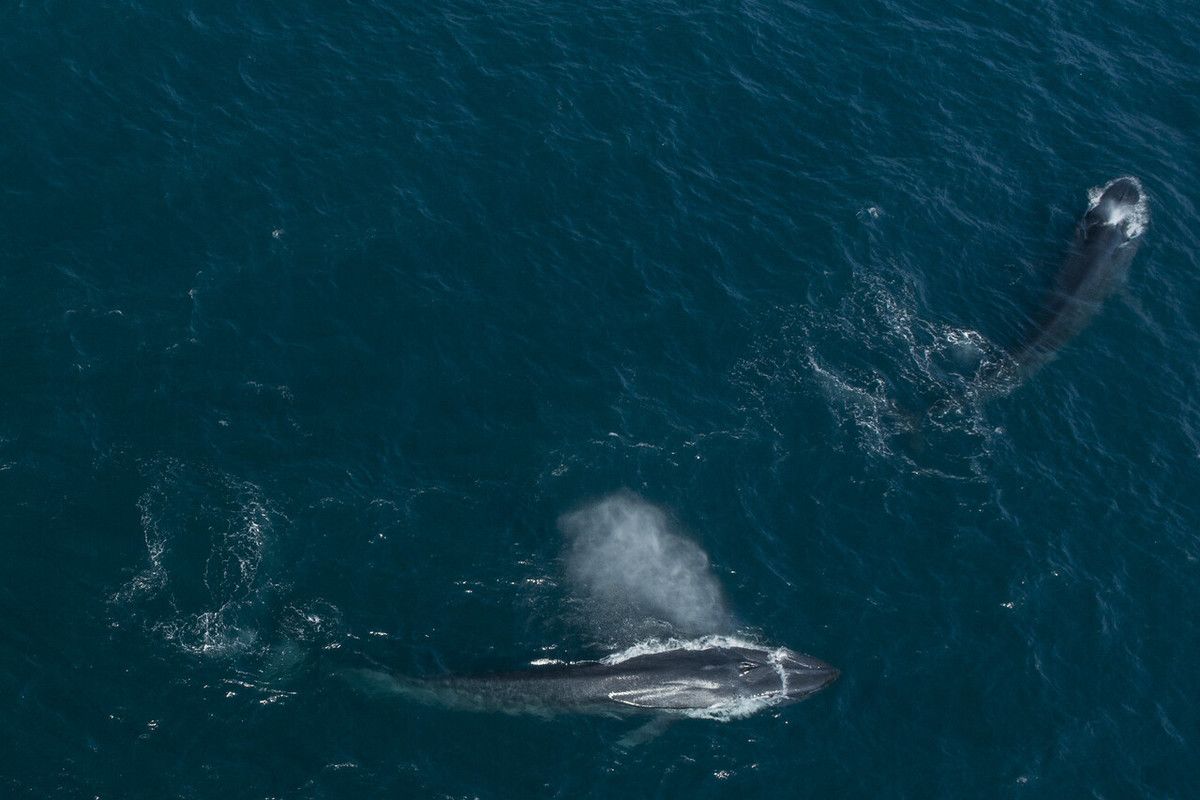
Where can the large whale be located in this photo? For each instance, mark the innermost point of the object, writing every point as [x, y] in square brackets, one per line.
[1105, 242]
[718, 680]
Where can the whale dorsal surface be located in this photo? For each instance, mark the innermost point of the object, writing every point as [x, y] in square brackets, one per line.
[687, 678]
[1106, 240]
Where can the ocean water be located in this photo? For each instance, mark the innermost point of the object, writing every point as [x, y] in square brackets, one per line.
[316, 318]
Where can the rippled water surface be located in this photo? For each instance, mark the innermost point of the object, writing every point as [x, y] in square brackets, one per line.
[316, 318]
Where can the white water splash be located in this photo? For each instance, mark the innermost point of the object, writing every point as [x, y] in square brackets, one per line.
[205, 545]
[887, 375]
[654, 646]
[1135, 218]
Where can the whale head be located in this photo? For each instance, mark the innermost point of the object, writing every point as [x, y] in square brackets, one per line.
[713, 677]
[801, 675]
[1120, 204]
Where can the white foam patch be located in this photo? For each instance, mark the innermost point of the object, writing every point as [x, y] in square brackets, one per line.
[1135, 218]
[652, 647]
[890, 378]
[724, 711]
[202, 608]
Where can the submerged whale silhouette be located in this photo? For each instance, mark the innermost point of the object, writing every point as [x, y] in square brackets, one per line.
[1105, 242]
[716, 681]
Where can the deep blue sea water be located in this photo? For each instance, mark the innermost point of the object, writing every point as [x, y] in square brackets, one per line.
[316, 317]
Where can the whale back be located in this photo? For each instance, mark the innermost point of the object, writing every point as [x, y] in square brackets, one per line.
[1106, 240]
[673, 680]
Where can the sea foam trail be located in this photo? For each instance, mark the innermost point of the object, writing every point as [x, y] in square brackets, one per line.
[627, 559]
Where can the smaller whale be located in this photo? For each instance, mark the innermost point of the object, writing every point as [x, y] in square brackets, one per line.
[1105, 242]
[700, 679]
